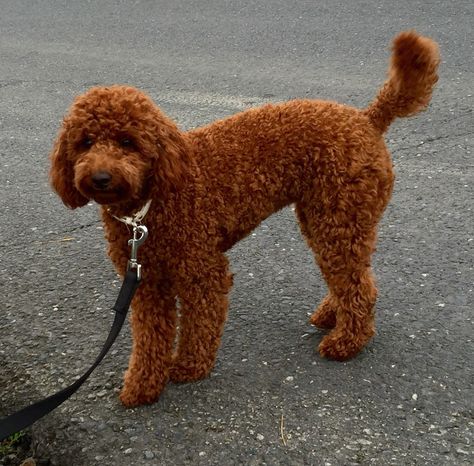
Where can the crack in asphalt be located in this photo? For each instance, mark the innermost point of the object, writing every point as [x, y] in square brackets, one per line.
[82, 227]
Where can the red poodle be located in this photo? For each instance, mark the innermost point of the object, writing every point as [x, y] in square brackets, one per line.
[211, 186]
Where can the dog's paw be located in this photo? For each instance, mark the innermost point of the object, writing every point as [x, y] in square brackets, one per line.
[130, 398]
[342, 346]
[182, 373]
[325, 315]
[139, 394]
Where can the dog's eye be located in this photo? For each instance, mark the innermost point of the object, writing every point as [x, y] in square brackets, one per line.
[126, 142]
[87, 142]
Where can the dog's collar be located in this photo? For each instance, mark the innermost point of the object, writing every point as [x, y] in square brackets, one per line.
[136, 218]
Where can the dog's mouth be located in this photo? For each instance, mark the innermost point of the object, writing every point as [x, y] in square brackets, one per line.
[113, 196]
[110, 194]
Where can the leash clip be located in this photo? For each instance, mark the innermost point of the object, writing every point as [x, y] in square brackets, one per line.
[140, 234]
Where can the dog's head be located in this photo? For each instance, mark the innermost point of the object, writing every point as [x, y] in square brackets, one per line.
[114, 147]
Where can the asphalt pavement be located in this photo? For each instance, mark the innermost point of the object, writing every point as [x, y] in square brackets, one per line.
[407, 399]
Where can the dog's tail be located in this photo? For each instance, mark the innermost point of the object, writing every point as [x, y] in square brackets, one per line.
[412, 76]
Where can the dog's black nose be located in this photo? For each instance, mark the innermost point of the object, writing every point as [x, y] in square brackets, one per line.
[101, 180]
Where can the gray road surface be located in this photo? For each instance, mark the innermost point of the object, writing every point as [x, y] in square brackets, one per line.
[405, 400]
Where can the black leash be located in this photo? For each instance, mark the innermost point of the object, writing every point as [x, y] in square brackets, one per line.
[27, 416]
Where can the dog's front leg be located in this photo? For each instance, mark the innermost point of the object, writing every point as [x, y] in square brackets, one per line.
[204, 304]
[153, 323]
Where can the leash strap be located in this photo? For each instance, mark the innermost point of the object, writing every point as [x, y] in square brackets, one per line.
[27, 416]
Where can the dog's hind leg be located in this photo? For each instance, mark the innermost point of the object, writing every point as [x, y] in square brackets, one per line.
[153, 322]
[325, 315]
[343, 238]
[204, 303]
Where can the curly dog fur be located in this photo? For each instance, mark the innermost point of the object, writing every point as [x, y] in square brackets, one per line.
[211, 186]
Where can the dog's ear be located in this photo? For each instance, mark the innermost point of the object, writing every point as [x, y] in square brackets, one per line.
[62, 173]
[172, 158]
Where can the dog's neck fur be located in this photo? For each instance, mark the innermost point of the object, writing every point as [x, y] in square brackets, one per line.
[125, 209]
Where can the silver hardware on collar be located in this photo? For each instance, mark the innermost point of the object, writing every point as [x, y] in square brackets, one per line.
[140, 234]
[137, 218]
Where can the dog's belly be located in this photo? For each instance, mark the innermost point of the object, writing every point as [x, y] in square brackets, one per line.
[245, 221]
